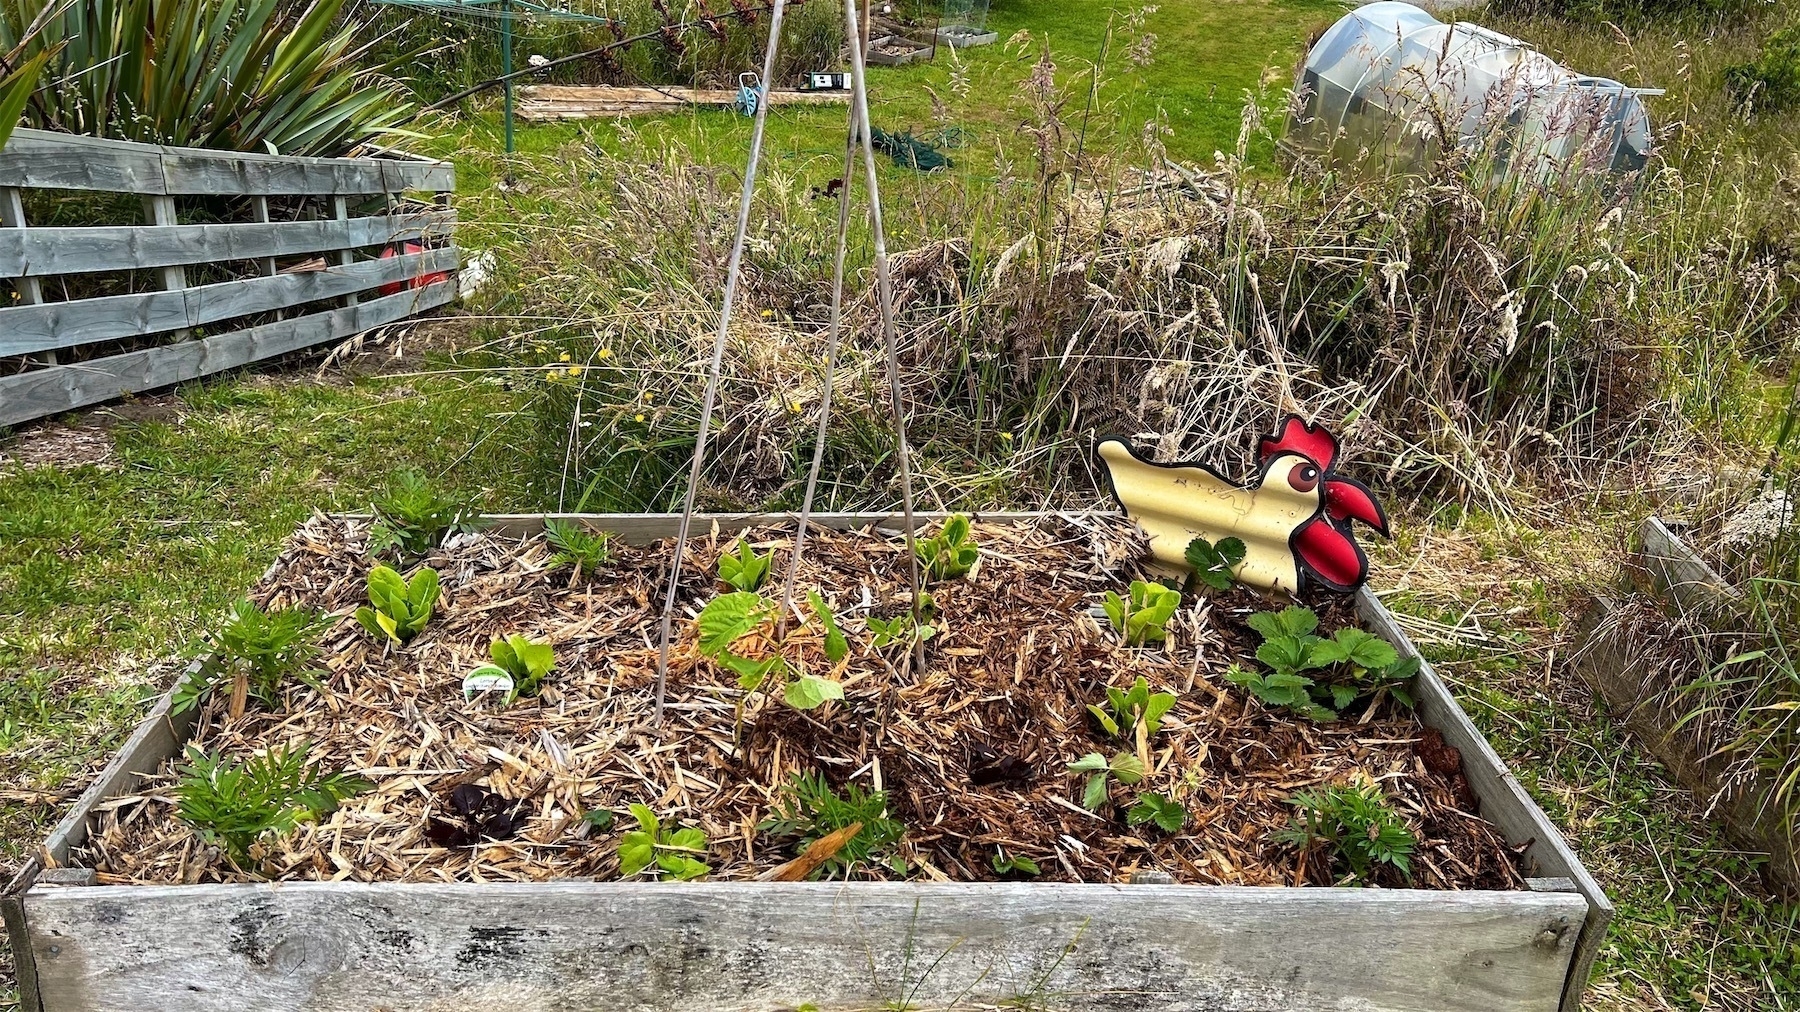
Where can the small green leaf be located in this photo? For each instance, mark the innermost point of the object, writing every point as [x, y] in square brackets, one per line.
[1095, 794]
[1093, 762]
[1127, 767]
[1105, 719]
[728, 617]
[636, 850]
[600, 819]
[836, 647]
[810, 691]
[646, 819]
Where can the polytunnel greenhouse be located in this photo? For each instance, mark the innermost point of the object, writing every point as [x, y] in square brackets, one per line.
[1390, 84]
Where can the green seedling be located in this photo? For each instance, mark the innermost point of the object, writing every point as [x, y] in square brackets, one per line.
[1126, 710]
[398, 608]
[1351, 665]
[1356, 824]
[1006, 863]
[413, 516]
[1169, 815]
[1143, 616]
[598, 820]
[745, 570]
[1123, 767]
[676, 853]
[809, 810]
[234, 803]
[523, 660]
[267, 647]
[730, 619]
[577, 546]
[950, 553]
[1214, 565]
[902, 629]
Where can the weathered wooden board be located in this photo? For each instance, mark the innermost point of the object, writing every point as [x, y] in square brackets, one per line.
[554, 101]
[39, 252]
[666, 947]
[36, 158]
[70, 324]
[41, 392]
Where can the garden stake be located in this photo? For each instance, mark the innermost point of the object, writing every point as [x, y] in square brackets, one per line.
[732, 271]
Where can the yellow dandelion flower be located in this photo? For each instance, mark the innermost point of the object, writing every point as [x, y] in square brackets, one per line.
[768, 314]
[1006, 437]
[574, 370]
[564, 358]
[794, 406]
[550, 375]
[648, 397]
[603, 354]
[640, 416]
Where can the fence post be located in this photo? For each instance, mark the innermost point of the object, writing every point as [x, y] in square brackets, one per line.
[346, 257]
[31, 290]
[161, 211]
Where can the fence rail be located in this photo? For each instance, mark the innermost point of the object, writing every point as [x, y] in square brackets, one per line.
[236, 258]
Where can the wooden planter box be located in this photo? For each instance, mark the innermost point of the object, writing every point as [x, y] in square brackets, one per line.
[705, 947]
[917, 51]
[965, 37]
[1617, 668]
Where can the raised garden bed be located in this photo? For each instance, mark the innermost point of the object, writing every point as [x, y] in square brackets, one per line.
[897, 51]
[965, 36]
[1635, 656]
[373, 907]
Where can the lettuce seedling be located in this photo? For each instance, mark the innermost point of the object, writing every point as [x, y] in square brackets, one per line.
[398, 608]
[1143, 616]
[672, 851]
[951, 552]
[526, 661]
[746, 570]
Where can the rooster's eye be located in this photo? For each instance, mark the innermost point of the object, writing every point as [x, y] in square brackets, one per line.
[1303, 478]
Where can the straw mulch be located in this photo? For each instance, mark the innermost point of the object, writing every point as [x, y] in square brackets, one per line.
[1007, 682]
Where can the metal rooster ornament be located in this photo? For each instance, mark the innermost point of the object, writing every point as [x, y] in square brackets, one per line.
[1294, 521]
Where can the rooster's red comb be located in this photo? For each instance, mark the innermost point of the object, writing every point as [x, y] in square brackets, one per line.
[1296, 436]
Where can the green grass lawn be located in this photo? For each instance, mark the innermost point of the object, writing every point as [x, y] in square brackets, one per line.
[109, 570]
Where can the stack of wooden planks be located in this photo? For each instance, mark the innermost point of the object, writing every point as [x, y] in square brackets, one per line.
[557, 102]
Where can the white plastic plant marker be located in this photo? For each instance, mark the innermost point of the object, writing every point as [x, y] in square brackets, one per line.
[486, 678]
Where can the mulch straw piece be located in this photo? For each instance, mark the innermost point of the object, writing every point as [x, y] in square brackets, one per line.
[1010, 678]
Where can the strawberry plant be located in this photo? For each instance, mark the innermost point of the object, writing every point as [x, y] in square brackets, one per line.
[1357, 825]
[746, 570]
[1351, 665]
[398, 608]
[676, 853]
[1007, 863]
[1142, 616]
[1214, 564]
[1123, 767]
[577, 546]
[950, 553]
[1169, 815]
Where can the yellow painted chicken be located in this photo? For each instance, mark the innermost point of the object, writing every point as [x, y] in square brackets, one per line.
[1295, 521]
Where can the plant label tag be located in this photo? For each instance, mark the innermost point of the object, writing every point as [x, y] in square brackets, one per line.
[487, 678]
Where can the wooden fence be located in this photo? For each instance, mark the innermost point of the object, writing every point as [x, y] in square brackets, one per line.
[237, 258]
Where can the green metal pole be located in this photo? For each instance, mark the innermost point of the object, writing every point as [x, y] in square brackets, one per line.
[506, 67]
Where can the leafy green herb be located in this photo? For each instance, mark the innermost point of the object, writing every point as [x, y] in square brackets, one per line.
[234, 803]
[729, 618]
[1169, 815]
[902, 628]
[676, 853]
[1358, 826]
[808, 809]
[1006, 863]
[1214, 565]
[1123, 767]
[1126, 709]
[1143, 616]
[398, 608]
[575, 545]
[746, 570]
[269, 647]
[951, 552]
[525, 660]
[413, 516]
[1352, 665]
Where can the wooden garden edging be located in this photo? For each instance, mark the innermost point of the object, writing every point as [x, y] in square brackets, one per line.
[660, 947]
[1616, 666]
[305, 263]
